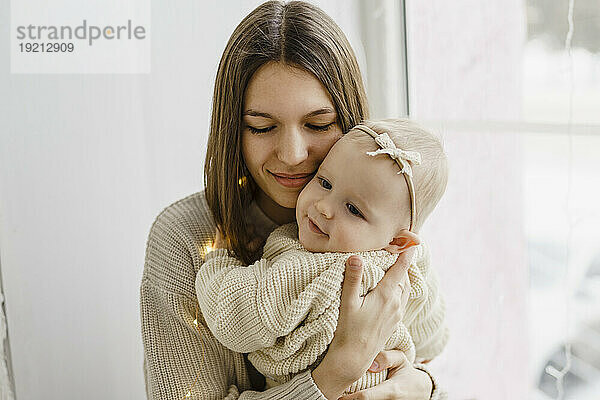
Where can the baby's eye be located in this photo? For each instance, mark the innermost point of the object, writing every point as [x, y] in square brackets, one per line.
[259, 130]
[353, 210]
[325, 184]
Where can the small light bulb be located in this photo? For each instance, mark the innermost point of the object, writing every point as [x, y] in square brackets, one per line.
[189, 394]
[196, 322]
[208, 248]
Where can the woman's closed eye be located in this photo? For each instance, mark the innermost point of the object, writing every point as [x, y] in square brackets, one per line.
[314, 127]
[260, 130]
[320, 128]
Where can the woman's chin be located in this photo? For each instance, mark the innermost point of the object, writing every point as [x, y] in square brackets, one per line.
[285, 199]
[288, 202]
[277, 199]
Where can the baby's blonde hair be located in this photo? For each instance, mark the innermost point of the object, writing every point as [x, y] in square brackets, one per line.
[430, 177]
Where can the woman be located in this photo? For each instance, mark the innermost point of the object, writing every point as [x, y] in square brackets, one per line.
[288, 86]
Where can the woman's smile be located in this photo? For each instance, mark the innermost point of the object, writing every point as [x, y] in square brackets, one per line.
[292, 181]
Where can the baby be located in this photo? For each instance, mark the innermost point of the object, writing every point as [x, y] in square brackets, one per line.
[370, 196]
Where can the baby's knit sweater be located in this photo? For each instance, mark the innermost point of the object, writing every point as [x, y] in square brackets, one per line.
[182, 358]
[284, 308]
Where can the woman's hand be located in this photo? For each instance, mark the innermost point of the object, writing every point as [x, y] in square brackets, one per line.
[404, 381]
[364, 325]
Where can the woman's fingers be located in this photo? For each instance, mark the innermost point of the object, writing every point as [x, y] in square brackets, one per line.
[389, 359]
[352, 282]
[396, 273]
[405, 285]
[353, 345]
[387, 390]
[404, 381]
[393, 290]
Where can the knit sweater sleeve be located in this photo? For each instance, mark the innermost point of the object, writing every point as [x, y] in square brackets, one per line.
[427, 326]
[181, 356]
[248, 308]
[227, 295]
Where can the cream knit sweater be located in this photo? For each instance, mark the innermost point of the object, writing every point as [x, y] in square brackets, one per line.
[182, 355]
[284, 308]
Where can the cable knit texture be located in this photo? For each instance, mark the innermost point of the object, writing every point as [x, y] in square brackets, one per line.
[180, 355]
[284, 308]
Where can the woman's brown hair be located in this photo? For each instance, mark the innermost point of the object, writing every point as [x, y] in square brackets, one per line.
[295, 33]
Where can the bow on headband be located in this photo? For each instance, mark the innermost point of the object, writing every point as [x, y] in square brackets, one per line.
[402, 157]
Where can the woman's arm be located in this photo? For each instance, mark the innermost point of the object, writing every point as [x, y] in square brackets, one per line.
[181, 356]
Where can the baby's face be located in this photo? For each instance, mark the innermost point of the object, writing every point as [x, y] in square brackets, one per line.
[354, 202]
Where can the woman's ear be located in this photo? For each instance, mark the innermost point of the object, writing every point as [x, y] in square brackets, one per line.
[403, 241]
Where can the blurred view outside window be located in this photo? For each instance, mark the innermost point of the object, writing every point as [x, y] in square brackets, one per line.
[519, 226]
[561, 184]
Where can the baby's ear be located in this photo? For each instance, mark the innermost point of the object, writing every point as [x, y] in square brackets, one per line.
[403, 241]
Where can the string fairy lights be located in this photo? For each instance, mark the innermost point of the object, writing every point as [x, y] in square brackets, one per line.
[208, 248]
[559, 375]
[188, 395]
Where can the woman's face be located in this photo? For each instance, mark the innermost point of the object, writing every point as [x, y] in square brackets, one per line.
[289, 124]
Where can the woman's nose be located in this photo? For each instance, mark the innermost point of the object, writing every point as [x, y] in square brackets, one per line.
[292, 148]
[323, 207]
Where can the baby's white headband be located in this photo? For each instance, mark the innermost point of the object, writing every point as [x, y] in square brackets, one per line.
[402, 157]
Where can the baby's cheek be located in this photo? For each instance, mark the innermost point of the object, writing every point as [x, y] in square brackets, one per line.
[306, 196]
[350, 239]
[301, 203]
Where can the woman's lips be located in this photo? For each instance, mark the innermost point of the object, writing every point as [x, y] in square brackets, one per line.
[292, 181]
[313, 227]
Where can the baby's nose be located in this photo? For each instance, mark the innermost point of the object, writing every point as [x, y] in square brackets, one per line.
[323, 208]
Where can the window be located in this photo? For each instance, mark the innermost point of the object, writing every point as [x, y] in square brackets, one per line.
[516, 239]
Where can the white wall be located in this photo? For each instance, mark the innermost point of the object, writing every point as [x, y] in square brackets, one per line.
[86, 163]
